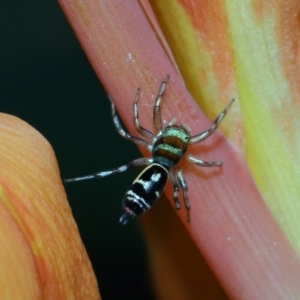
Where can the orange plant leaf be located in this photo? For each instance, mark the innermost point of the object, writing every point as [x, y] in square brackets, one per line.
[42, 255]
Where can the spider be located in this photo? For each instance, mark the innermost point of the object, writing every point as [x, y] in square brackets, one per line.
[168, 147]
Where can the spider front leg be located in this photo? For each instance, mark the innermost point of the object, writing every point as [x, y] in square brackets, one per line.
[156, 109]
[202, 163]
[143, 131]
[137, 162]
[205, 134]
[121, 131]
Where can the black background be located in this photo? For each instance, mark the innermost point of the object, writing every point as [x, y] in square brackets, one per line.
[46, 80]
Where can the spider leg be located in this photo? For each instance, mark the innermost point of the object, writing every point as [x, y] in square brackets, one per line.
[143, 131]
[176, 189]
[205, 134]
[120, 129]
[202, 163]
[137, 162]
[156, 109]
[184, 188]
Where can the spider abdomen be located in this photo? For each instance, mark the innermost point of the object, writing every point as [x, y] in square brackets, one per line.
[144, 191]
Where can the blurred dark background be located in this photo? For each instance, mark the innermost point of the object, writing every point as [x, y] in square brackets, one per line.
[46, 80]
